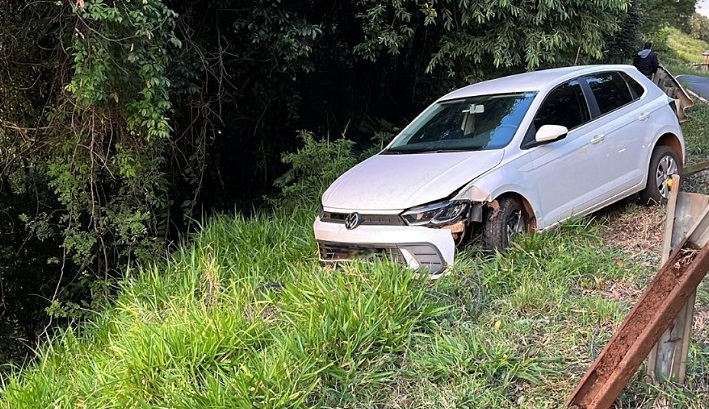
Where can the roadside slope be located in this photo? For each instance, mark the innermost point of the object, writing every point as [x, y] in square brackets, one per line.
[245, 317]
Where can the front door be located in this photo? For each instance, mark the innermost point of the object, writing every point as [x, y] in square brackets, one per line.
[566, 172]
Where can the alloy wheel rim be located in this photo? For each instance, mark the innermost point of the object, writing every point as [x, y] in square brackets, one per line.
[515, 224]
[666, 167]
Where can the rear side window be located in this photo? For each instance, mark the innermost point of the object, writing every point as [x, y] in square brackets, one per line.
[636, 89]
[610, 89]
[564, 106]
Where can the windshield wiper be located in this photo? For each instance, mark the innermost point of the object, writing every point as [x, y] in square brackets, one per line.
[391, 152]
[471, 149]
[431, 150]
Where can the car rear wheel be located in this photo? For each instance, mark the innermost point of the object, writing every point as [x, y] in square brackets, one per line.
[503, 224]
[663, 164]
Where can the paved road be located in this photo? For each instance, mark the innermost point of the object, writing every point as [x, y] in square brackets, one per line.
[699, 85]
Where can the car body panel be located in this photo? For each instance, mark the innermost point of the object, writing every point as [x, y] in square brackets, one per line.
[436, 176]
[530, 81]
[556, 196]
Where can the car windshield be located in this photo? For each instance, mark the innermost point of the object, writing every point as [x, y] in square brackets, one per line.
[476, 123]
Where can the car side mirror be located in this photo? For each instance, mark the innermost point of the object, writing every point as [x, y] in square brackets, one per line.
[550, 133]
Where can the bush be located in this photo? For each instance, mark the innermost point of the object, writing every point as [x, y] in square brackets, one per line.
[313, 168]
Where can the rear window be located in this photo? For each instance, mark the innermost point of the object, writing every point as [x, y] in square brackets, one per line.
[636, 89]
[610, 89]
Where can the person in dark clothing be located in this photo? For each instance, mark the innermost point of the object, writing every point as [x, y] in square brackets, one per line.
[646, 61]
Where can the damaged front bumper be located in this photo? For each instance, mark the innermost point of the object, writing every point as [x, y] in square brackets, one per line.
[420, 248]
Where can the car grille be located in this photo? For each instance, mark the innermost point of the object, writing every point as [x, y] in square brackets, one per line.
[425, 254]
[367, 219]
[341, 252]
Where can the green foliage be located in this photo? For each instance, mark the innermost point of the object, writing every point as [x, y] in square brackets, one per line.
[108, 168]
[314, 167]
[289, 37]
[87, 145]
[656, 14]
[235, 321]
[121, 55]
[477, 39]
[468, 352]
[386, 27]
[657, 18]
[245, 317]
[649, 20]
[695, 133]
[622, 46]
[28, 236]
[698, 27]
[681, 48]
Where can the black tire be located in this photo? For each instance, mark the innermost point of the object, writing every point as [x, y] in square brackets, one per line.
[663, 164]
[501, 225]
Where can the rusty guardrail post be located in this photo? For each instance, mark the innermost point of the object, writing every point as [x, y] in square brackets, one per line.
[668, 359]
[654, 312]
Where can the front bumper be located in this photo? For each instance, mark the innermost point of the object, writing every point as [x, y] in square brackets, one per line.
[420, 248]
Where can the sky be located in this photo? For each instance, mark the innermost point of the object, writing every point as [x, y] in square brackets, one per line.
[703, 7]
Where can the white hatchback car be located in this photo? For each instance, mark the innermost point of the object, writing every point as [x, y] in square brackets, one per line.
[501, 157]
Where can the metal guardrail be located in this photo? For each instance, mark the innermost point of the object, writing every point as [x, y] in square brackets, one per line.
[695, 168]
[668, 83]
[657, 309]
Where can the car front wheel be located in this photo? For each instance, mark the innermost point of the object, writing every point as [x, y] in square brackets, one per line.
[503, 224]
[663, 164]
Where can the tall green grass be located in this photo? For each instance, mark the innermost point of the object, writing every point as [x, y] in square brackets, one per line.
[681, 53]
[244, 316]
[683, 47]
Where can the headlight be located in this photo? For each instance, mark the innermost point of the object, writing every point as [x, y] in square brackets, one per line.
[436, 214]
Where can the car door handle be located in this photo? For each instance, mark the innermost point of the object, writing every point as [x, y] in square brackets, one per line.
[644, 116]
[598, 138]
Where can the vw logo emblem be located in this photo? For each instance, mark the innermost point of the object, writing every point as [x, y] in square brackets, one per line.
[353, 220]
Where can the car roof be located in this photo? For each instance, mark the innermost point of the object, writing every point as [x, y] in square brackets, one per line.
[534, 81]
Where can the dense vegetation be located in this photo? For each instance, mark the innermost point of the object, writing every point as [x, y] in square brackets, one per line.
[124, 123]
[246, 317]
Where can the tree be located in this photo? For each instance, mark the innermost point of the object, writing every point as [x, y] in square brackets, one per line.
[698, 27]
[479, 39]
[87, 140]
[655, 14]
[621, 46]
[120, 120]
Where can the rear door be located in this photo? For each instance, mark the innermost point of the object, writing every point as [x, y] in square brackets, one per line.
[623, 124]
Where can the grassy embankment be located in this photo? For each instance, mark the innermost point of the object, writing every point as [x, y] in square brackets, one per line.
[245, 317]
[682, 52]
[212, 329]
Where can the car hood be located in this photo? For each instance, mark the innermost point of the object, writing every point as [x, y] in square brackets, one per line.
[397, 182]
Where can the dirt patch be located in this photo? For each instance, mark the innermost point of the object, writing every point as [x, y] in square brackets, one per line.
[701, 321]
[637, 232]
[620, 290]
[616, 290]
